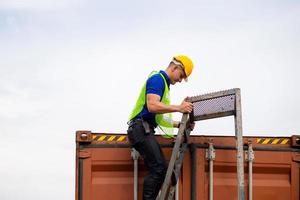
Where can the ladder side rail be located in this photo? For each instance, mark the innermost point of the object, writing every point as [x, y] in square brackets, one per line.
[177, 168]
[173, 157]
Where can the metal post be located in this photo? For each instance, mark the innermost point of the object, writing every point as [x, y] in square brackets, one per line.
[135, 156]
[250, 158]
[177, 191]
[239, 144]
[177, 186]
[193, 171]
[210, 156]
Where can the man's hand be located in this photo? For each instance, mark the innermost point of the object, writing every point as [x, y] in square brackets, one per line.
[185, 107]
[176, 124]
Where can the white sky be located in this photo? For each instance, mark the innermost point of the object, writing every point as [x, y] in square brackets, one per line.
[73, 65]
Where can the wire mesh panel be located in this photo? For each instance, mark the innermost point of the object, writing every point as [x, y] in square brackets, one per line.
[225, 104]
[219, 104]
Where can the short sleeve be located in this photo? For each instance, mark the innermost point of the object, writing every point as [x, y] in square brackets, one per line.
[155, 85]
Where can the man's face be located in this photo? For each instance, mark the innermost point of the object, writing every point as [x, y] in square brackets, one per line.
[177, 75]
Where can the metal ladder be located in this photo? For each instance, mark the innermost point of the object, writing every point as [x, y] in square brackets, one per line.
[207, 106]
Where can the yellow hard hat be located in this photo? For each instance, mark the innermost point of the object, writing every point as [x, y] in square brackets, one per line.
[187, 64]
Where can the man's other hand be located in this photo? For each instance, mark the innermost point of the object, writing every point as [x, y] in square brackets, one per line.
[186, 107]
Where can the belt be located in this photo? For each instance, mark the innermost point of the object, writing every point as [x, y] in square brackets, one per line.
[130, 123]
[146, 125]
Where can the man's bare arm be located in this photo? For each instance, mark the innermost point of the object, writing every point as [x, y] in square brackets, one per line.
[155, 106]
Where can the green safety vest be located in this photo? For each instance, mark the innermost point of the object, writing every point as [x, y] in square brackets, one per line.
[164, 121]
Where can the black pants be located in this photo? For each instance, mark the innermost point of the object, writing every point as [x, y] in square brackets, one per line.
[149, 149]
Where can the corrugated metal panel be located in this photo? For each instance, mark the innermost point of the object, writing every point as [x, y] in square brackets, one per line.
[104, 168]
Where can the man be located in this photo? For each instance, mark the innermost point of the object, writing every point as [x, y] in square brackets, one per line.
[153, 110]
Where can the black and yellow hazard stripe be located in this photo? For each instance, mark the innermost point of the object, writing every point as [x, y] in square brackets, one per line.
[109, 138]
[272, 140]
